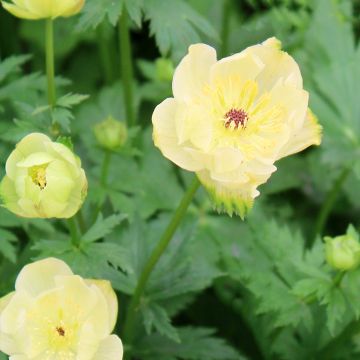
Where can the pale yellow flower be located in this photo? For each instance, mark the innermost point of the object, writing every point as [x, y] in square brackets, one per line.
[56, 315]
[231, 120]
[43, 179]
[42, 9]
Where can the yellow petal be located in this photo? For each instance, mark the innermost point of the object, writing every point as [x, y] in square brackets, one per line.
[40, 275]
[193, 72]
[279, 65]
[309, 134]
[242, 67]
[109, 294]
[42, 8]
[75, 8]
[12, 317]
[165, 135]
[110, 348]
[19, 11]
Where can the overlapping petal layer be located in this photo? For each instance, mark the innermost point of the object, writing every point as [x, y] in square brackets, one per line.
[230, 120]
[54, 314]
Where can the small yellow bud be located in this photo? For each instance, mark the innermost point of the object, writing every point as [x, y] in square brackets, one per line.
[44, 9]
[343, 252]
[110, 133]
[44, 179]
[164, 69]
[54, 314]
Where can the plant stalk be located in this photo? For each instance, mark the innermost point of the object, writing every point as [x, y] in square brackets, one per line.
[50, 67]
[154, 258]
[73, 231]
[127, 72]
[329, 203]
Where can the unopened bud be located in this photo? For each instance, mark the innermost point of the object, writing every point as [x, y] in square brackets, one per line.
[110, 133]
[343, 252]
[164, 69]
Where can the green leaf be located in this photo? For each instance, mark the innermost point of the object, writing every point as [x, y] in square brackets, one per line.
[7, 245]
[196, 344]
[156, 316]
[96, 11]
[176, 25]
[69, 100]
[12, 64]
[102, 227]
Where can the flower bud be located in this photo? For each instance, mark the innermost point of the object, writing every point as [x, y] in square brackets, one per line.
[343, 252]
[44, 179]
[164, 69]
[110, 133]
[35, 9]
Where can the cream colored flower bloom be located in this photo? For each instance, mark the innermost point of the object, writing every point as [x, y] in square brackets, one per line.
[43, 179]
[231, 120]
[56, 315]
[42, 9]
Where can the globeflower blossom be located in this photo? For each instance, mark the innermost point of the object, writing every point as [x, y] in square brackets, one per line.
[54, 314]
[231, 120]
[44, 179]
[43, 9]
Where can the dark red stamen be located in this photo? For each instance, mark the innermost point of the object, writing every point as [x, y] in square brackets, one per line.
[60, 331]
[238, 117]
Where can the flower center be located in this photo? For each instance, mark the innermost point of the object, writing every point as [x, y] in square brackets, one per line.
[38, 175]
[60, 331]
[235, 118]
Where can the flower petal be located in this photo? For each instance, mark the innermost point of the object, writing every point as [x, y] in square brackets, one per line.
[19, 11]
[193, 72]
[279, 64]
[110, 348]
[309, 134]
[242, 67]
[165, 135]
[109, 294]
[40, 275]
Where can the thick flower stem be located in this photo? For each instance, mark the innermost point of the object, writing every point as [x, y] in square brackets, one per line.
[50, 68]
[73, 231]
[225, 28]
[127, 72]
[329, 202]
[154, 258]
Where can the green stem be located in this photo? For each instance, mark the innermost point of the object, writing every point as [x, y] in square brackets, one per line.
[103, 180]
[105, 168]
[81, 221]
[73, 231]
[105, 53]
[50, 68]
[329, 203]
[225, 28]
[127, 72]
[154, 258]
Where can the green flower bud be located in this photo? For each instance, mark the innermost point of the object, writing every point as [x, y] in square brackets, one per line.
[343, 252]
[44, 179]
[164, 69]
[110, 133]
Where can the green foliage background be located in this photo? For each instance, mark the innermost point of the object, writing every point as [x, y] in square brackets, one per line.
[226, 288]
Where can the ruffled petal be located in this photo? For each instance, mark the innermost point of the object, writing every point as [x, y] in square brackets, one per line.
[110, 348]
[193, 72]
[40, 275]
[109, 294]
[279, 65]
[165, 135]
[309, 134]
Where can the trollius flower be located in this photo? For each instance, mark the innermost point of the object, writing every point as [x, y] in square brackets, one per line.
[43, 179]
[54, 314]
[231, 120]
[42, 9]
